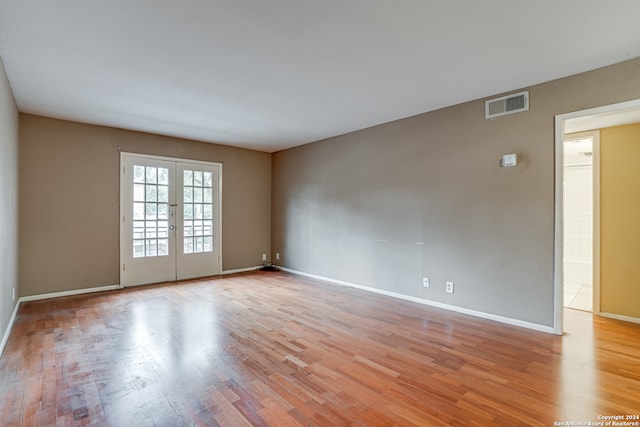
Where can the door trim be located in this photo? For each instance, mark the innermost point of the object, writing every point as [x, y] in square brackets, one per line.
[558, 253]
[217, 224]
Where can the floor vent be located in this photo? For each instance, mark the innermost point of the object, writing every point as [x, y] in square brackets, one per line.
[504, 105]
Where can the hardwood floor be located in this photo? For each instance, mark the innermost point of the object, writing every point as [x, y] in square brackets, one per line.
[281, 350]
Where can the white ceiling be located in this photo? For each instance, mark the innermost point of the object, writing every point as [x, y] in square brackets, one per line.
[578, 152]
[268, 75]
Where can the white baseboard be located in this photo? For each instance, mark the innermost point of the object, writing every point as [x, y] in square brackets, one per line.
[107, 288]
[69, 293]
[241, 270]
[462, 310]
[7, 331]
[620, 317]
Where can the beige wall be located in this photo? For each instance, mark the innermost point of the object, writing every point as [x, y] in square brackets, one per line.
[69, 196]
[424, 196]
[619, 220]
[8, 201]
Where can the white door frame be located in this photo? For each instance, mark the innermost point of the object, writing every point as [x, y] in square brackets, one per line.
[218, 221]
[558, 267]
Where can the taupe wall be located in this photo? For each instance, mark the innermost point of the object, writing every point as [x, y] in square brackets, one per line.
[386, 205]
[8, 201]
[69, 197]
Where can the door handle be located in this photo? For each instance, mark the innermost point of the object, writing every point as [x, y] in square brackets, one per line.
[172, 227]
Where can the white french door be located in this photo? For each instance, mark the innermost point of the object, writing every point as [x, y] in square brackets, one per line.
[198, 192]
[170, 219]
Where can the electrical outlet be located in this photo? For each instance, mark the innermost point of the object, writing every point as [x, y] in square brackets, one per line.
[449, 287]
[425, 282]
[264, 257]
[277, 256]
[14, 294]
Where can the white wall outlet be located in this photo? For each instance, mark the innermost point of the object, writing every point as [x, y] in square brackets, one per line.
[449, 287]
[264, 257]
[277, 256]
[425, 282]
[14, 294]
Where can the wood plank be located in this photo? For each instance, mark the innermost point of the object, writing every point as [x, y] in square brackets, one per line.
[277, 349]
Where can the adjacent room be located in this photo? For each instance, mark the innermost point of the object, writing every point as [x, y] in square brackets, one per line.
[319, 213]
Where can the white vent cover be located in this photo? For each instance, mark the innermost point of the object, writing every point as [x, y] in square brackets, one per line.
[504, 105]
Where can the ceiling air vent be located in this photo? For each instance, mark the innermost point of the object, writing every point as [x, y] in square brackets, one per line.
[504, 105]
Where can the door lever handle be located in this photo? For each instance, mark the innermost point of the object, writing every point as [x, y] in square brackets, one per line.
[173, 204]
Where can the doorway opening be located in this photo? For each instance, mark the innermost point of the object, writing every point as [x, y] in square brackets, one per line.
[580, 205]
[565, 125]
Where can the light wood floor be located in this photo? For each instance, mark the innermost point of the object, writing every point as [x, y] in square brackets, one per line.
[280, 350]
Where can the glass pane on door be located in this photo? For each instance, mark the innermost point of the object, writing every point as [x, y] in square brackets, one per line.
[197, 211]
[150, 211]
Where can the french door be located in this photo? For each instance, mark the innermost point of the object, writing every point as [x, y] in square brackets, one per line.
[170, 219]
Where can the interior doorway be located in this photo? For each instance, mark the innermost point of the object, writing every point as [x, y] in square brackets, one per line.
[580, 155]
[570, 123]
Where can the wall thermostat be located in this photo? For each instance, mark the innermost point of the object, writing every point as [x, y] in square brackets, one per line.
[509, 160]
